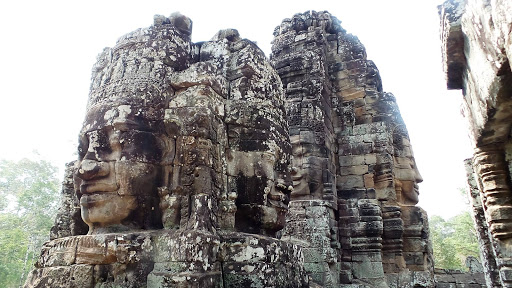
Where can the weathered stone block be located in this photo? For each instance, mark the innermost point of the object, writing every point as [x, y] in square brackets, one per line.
[385, 193]
[354, 170]
[367, 256]
[414, 244]
[312, 255]
[349, 182]
[351, 160]
[367, 270]
[446, 285]
[181, 246]
[369, 181]
[52, 277]
[414, 258]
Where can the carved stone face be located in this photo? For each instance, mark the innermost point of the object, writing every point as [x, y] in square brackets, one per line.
[406, 174]
[117, 176]
[306, 170]
[121, 143]
[263, 196]
[299, 175]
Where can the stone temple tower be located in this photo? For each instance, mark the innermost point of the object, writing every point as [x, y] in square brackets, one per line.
[209, 165]
[354, 176]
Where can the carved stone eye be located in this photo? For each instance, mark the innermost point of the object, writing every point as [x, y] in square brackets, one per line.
[140, 146]
[83, 144]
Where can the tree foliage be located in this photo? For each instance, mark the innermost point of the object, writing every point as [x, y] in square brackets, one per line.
[29, 193]
[453, 240]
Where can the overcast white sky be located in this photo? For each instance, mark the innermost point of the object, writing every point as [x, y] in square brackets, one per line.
[48, 49]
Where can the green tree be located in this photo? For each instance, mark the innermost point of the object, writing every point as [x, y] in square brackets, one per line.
[453, 240]
[29, 193]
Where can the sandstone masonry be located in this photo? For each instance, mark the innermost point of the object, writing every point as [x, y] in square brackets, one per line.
[476, 51]
[208, 165]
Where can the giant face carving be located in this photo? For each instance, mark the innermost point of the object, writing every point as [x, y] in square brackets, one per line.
[407, 176]
[118, 173]
[300, 183]
[307, 170]
[122, 141]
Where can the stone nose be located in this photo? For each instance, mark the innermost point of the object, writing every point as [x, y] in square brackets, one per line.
[417, 176]
[91, 169]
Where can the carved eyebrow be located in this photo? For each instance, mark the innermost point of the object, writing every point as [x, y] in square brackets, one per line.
[127, 125]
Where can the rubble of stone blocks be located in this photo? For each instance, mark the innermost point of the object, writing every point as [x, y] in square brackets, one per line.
[474, 278]
[453, 279]
[209, 165]
[476, 47]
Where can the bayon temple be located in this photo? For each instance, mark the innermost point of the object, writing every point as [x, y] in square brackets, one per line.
[210, 165]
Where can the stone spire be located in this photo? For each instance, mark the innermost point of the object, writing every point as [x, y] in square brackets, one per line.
[353, 166]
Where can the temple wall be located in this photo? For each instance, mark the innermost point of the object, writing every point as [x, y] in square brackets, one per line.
[476, 52]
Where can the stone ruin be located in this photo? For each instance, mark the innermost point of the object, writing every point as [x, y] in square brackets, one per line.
[354, 175]
[208, 165]
[477, 46]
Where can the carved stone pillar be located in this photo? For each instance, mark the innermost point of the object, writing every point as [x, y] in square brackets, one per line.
[392, 244]
[492, 169]
[415, 239]
[417, 249]
[494, 183]
[487, 255]
[360, 230]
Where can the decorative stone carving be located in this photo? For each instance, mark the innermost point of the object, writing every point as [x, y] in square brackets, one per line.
[476, 41]
[492, 168]
[299, 56]
[487, 253]
[201, 165]
[416, 252]
[352, 162]
[183, 169]
[406, 172]
[123, 143]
